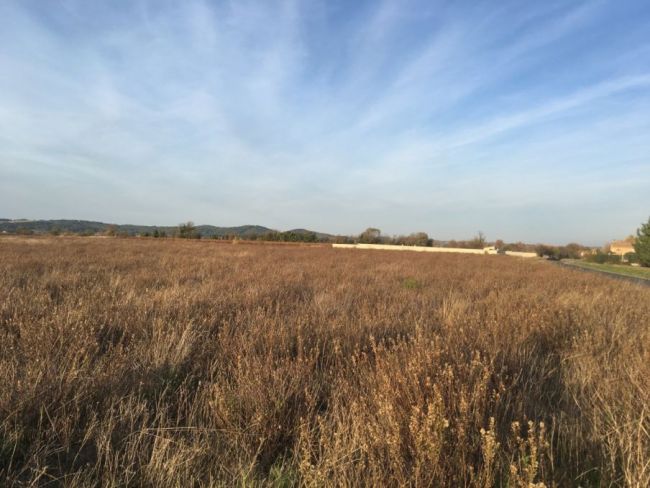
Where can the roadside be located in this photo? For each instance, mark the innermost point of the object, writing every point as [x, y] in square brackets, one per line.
[627, 273]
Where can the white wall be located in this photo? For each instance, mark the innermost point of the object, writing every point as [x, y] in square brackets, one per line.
[388, 247]
[521, 254]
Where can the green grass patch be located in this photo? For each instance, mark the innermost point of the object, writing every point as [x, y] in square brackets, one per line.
[619, 269]
[411, 284]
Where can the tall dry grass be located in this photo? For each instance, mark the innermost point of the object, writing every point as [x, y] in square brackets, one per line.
[174, 363]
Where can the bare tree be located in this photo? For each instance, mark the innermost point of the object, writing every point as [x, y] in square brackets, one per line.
[370, 236]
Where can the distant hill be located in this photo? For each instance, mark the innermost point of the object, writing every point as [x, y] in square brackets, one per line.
[92, 227]
[241, 231]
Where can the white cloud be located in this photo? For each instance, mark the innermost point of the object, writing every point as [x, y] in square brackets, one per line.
[386, 110]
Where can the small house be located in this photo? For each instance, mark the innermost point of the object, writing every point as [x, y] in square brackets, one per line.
[621, 248]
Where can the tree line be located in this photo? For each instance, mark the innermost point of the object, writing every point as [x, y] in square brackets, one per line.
[373, 235]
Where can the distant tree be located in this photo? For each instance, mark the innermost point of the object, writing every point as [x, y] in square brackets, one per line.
[370, 236]
[570, 251]
[271, 236]
[520, 246]
[602, 258]
[419, 239]
[111, 230]
[642, 244]
[573, 250]
[414, 239]
[545, 251]
[156, 233]
[478, 242]
[188, 231]
[499, 244]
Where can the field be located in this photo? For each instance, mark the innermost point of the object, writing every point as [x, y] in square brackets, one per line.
[619, 269]
[130, 362]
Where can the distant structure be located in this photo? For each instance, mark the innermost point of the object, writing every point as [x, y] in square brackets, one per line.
[391, 247]
[521, 254]
[621, 248]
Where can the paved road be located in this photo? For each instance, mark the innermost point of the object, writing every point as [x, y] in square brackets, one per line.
[631, 279]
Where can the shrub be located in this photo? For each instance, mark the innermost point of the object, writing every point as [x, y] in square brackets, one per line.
[603, 258]
[24, 231]
[411, 283]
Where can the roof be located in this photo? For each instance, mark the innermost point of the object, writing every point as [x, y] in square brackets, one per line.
[623, 243]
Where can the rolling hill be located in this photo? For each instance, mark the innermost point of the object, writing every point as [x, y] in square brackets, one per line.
[93, 227]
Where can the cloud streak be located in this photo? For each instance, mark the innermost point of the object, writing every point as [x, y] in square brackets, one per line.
[407, 116]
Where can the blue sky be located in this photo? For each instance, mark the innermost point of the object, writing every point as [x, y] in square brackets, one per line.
[526, 120]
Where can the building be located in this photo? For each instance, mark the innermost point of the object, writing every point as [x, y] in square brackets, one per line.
[621, 248]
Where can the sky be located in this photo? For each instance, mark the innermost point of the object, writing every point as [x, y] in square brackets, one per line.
[524, 120]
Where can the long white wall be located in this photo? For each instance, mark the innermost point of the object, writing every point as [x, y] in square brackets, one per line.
[521, 254]
[388, 247]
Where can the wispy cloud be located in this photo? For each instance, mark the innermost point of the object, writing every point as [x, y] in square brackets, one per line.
[333, 115]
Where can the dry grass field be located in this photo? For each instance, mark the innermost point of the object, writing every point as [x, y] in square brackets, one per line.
[132, 362]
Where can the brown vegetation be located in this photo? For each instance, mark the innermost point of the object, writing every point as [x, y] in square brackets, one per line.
[191, 363]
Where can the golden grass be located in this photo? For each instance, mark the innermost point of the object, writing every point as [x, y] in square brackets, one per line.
[174, 363]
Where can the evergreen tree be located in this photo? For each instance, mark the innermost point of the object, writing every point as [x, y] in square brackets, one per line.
[188, 231]
[642, 244]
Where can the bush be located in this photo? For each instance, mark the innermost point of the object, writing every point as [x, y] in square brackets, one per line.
[570, 251]
[603, 258]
